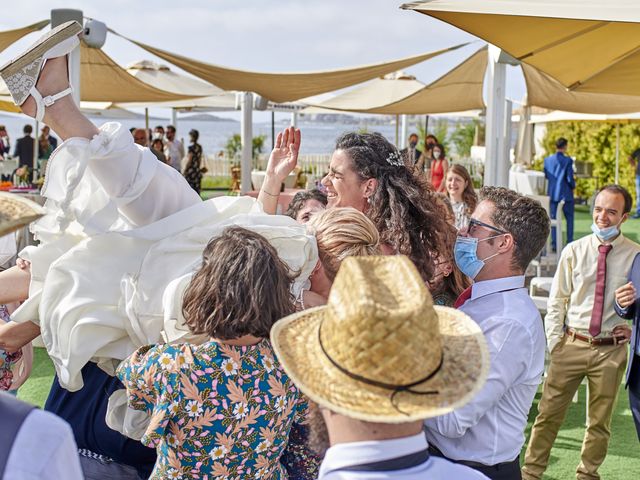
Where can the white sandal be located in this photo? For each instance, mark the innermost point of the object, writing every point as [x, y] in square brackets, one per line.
[22, 73]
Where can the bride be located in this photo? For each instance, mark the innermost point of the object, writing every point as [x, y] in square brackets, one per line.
[123, 231]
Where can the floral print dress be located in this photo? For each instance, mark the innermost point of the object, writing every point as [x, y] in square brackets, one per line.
[217, 411]
[7, 360]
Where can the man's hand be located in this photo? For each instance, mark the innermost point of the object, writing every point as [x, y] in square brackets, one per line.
[626, 295]
[622, 333]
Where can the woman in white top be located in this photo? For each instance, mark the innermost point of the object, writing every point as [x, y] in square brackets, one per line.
[461, 194]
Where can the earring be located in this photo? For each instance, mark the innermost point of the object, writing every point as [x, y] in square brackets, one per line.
[369, 200]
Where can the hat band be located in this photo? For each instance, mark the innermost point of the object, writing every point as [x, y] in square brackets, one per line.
[387, 386]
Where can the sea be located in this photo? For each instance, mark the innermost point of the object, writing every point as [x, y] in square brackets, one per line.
[317, 137]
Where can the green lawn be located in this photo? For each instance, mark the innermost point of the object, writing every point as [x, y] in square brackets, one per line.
[623, 460]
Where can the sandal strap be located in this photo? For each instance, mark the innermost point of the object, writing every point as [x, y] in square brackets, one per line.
[43, 102]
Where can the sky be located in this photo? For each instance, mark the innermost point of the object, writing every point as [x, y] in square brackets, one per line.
[268, 35]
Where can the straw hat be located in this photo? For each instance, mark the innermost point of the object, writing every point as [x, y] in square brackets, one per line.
[16, 212]
[380, 351]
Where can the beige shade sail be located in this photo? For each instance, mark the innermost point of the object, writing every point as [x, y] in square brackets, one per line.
[377, 93]
[11, 36]
[103, 80]
[458, 90]
[286, 87]
[163, 78]
[587, 45]
[544, 91]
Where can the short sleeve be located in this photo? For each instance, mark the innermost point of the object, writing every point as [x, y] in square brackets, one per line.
[149, 375]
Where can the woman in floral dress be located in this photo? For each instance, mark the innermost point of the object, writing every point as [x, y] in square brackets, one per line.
[224, 408]
[194, 167]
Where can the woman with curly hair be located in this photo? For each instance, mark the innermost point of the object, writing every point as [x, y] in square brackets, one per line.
[368, 173]
[461, 194]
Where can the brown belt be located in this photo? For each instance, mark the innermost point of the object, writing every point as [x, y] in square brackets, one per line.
[591, 340]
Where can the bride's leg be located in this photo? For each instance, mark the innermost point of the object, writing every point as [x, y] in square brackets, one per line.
[64, 117]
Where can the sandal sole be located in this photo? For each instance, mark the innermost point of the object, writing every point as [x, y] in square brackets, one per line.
[46, 43]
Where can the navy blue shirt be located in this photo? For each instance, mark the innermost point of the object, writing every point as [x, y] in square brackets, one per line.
[86, 409]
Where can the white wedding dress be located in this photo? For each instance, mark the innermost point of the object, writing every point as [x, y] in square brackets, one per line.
[122, 236]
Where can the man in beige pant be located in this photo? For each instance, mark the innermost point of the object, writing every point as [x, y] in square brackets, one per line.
[584, 335]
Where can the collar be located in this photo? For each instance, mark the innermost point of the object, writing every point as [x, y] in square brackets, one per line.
[354, 453]
[595, 241]
[487, 287]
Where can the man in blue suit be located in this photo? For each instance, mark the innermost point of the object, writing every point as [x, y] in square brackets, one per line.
[627, 305]
[558, 170]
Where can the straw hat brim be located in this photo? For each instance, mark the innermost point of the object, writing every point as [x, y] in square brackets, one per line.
[17, 212]
[464, 369]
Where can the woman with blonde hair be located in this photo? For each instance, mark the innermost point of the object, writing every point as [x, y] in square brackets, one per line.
[340, 233]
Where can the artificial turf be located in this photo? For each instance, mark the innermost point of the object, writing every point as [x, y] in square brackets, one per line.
[623, 459]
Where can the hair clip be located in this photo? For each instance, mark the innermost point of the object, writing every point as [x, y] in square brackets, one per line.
[395, 159]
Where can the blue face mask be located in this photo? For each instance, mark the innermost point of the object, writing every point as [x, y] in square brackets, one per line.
[466, 255]
[605, 234]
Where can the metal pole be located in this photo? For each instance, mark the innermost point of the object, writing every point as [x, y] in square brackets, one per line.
[273, 129]
[397, 128]
[246, 135]
[174, 118]
[294, 119]
[502, 170]
[36, 149]
[494, 150]
[403, 131]
[617, 151]
[61, 15]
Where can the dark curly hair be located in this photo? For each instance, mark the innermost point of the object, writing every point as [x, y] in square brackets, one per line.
[402, 207]
[242, 287]
[523, 217]
[300, 198]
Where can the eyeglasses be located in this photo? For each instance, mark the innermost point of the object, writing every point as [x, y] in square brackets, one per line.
[473, 223]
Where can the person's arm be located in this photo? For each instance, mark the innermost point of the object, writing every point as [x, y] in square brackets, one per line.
[14, 336]
[625, 303]
[282, 161]
[571, 179]
[559, 298]
[506, 341]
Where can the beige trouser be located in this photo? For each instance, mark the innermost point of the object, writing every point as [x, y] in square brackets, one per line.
[571, 361]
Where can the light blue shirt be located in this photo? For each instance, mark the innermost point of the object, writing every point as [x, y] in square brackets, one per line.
[356, 453]
[490, 428]
[44, 449]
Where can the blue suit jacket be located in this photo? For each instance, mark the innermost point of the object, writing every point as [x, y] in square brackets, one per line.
[632, 312]
[558, 169]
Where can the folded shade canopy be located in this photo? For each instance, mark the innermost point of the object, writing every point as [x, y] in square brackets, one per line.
[11, 36]
[587, 45]
[459, 89]
[285, 87]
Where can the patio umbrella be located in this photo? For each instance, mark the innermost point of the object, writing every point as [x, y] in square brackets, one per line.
[587, 45]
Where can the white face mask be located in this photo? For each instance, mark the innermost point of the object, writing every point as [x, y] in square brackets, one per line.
[436, 154]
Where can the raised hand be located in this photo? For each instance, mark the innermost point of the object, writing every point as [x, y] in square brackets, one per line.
[284, 156]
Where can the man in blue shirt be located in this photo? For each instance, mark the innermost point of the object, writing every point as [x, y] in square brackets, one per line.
[558, 170]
